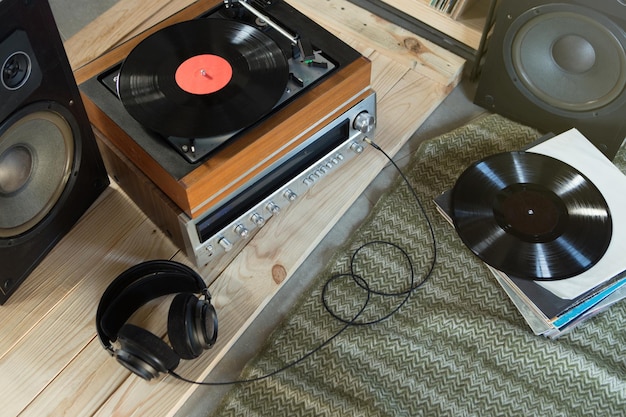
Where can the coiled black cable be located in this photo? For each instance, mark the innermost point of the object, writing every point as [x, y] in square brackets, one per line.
[404, 294]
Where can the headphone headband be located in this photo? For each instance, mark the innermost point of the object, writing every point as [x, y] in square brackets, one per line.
[138, 285]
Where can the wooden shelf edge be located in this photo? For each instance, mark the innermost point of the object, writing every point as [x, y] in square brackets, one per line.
[467, 29]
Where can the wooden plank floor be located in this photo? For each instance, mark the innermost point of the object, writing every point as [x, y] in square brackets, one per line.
[51, 362]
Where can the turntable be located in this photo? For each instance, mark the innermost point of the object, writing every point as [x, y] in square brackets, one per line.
[215, 124]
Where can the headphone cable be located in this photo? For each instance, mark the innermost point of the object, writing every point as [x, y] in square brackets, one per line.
[362, 283]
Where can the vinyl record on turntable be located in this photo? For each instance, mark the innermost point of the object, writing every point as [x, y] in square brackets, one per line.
[531, 216]
[203, 78]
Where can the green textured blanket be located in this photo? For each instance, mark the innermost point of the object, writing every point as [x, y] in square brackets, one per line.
[457, 347]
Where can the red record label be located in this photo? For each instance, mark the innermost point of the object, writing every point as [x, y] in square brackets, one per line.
[203, 74]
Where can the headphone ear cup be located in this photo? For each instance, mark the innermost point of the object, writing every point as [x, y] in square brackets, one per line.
[144, 353]
[187, 326]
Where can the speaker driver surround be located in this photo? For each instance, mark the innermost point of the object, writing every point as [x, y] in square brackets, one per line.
[567, 59]
[36, 159]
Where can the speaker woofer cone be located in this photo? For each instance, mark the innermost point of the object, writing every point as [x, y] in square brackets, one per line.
[36, 160]
[16, 166]
[567, 59]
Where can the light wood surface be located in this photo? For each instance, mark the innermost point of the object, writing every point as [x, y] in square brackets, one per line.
[51, 362]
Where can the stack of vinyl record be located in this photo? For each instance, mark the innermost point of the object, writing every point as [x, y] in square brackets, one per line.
[548, 224]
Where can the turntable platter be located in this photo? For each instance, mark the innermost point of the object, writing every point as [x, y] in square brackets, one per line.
[203, 78]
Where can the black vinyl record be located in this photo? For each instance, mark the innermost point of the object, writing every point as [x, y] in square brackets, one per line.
[531, 216]
[203, 78]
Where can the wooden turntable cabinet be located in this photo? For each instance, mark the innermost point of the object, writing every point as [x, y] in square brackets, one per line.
[177, 194]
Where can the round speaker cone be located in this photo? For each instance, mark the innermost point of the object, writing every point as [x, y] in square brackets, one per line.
[567, 58]
[16, 165]
[36, 156]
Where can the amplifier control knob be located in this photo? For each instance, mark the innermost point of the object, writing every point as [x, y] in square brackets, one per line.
[225, 243]
[364, 122]
[241, 230]
[272, 208]
[257, 219]
[290, 195]
[356, 147]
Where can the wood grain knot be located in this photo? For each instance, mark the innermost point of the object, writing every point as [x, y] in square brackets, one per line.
[279, 273]
[414, 46]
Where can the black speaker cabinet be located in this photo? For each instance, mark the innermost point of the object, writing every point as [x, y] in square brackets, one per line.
[50, 168]
[559, 65]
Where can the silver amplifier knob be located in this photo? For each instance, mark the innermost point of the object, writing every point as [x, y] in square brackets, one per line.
[226, 244]
[290, 195]
[258, 219]
[241, 230]
[272, 208]
[356, 147]
[364, 122]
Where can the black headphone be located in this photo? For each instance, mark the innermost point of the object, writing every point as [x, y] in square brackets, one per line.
[191, 324]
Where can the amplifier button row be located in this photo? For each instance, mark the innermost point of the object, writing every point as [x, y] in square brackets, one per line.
[322, 170]
[242, 231]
